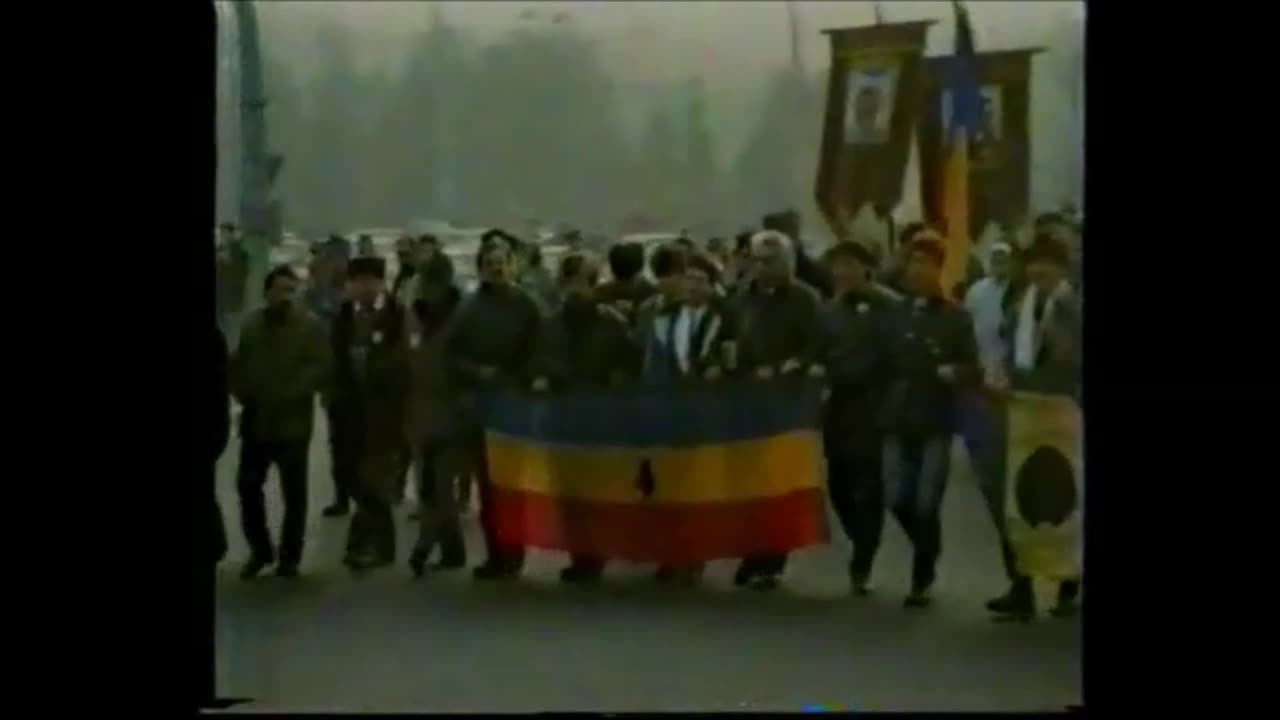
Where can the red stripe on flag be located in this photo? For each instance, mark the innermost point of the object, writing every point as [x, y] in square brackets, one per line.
[676, 534]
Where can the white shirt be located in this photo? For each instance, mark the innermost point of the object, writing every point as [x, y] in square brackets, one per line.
[686, 324]
[983, 302]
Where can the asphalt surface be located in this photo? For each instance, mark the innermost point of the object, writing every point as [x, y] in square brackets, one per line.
[386, 642]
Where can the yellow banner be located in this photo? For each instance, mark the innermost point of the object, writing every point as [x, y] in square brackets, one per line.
[1044, 492]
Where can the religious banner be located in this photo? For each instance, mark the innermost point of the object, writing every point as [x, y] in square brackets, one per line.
[873, 94]
[702, 473]
[1044, 488]
[1000, 152]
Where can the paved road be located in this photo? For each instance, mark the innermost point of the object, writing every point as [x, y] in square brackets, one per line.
[386, 642]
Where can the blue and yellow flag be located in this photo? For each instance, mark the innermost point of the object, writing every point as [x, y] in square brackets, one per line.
[960, 74]
[683, 476]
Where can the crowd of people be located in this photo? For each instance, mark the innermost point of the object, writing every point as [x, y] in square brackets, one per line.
[398, 368]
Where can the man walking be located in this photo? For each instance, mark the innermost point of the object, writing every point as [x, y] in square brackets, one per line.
[370, 386]
[857, 326]
[933, 356]
[276, 371]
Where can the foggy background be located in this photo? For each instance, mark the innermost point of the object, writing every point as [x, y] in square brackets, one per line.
[656, 115]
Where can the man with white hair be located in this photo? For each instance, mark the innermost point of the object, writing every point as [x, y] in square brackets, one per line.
[779, 336]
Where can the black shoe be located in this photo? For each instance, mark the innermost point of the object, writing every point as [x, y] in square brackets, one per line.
[765, 582]
[861, 583]
[579, 574]
[338, 509]
[447, 564]
[287, 570]
[743, 575]
[418, 563]
[494, 571]
[918, 599]
[1017, 604]
[664, 575]
[1067, 605]
[253, 567]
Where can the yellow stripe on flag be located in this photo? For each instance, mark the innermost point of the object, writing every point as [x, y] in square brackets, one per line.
[955, 209]
[732, 472]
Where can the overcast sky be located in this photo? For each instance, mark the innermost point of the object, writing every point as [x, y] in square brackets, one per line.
[700, 37]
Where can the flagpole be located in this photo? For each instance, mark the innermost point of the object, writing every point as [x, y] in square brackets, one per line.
[797, 63]
[879, 10]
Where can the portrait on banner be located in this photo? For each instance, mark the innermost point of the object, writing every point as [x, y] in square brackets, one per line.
[986, 142]
[872, 94]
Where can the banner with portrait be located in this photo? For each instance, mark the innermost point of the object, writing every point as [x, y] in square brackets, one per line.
[873, 95]
[1044, 489]
[1000, 153]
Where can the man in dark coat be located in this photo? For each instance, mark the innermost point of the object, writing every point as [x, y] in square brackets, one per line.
[628, 289]
[933, 356]
[779, 335]
[1043, 337]
[584, 345]
[368, 392]
[492, 346]
[276, 371]
[857, 325]
[660, 366]
[434, 430]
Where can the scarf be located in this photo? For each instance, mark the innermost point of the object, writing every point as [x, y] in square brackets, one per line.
[1029, 335]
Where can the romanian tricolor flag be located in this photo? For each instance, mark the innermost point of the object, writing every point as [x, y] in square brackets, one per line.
[961, 78]
[681, 476]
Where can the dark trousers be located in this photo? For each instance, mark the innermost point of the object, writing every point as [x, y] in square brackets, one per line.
[373, 527]
[438, 469]
[290, 458]
[857, 495]
[915, 474]
[511, 558]
[344, 453]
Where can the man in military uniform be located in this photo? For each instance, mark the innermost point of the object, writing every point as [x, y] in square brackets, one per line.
[857, 325]
[933, 355]
[370, 386]
[585, 345]
[276, 371]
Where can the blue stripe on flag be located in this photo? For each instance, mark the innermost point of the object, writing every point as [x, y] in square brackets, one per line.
[641, 418]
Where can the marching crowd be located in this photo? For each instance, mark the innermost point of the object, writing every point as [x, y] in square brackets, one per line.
[398, 368]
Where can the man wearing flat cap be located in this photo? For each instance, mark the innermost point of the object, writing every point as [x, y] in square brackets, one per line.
[276, 370]
[367, 394]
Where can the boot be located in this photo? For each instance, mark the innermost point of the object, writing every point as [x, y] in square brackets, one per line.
[580, 574]
[1066, 606]
[253, 567]
[1017, 604]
